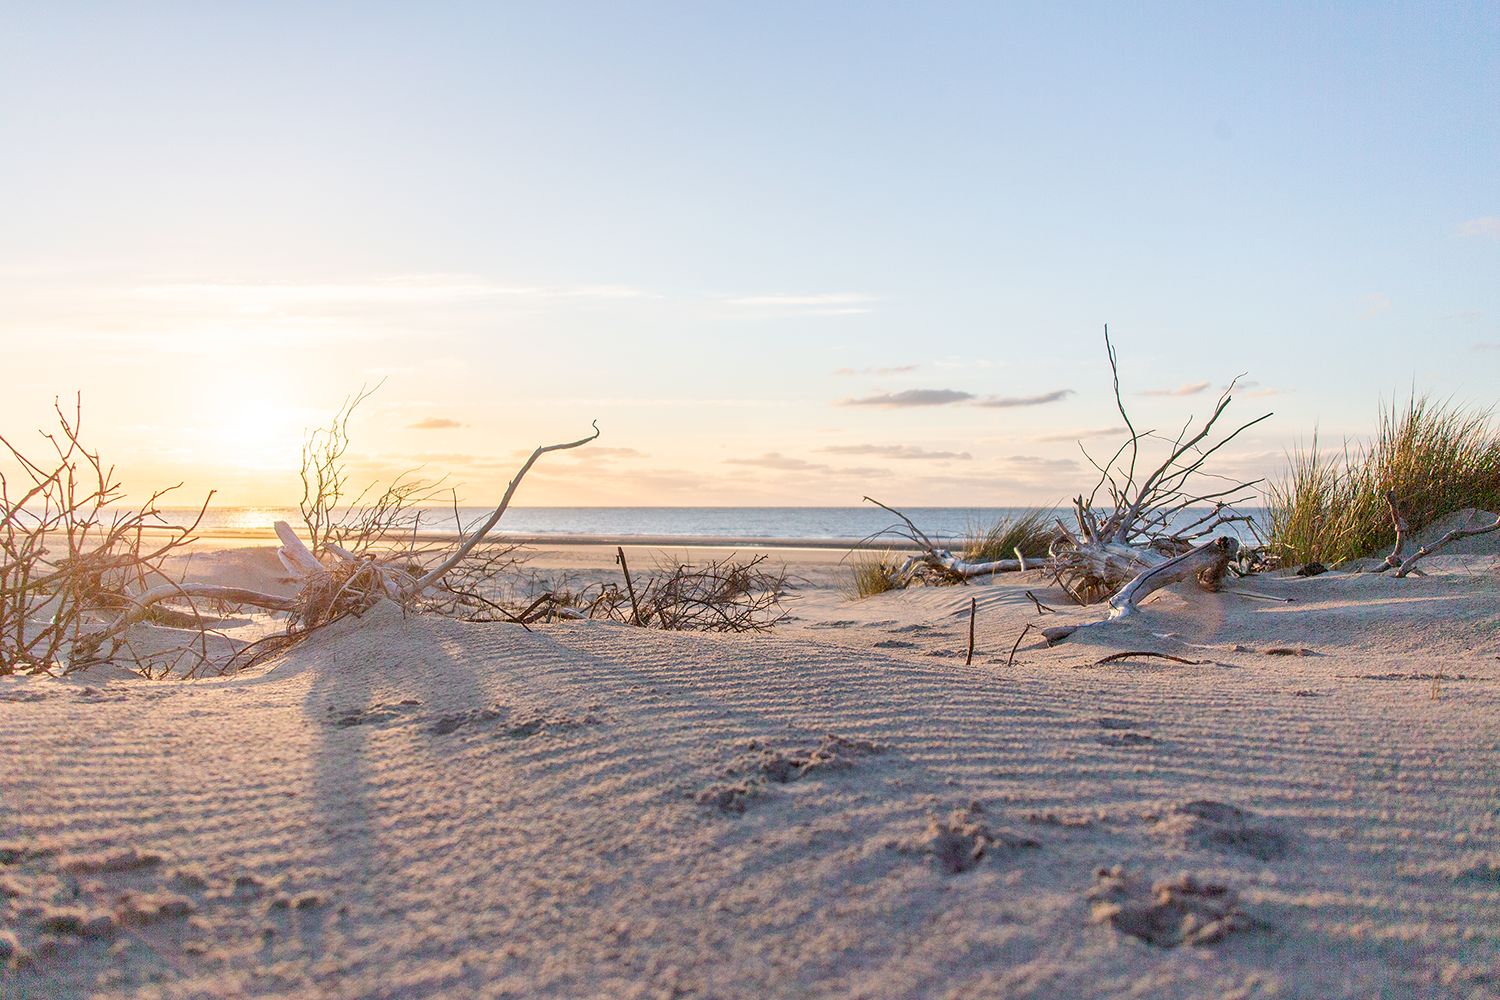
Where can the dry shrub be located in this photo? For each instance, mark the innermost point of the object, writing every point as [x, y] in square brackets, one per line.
[723, 595]
[72, 557]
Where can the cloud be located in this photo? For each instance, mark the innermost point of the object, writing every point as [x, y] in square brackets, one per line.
[893, 370]
[434, 424]
[1186, 389]
[902, 451]
[1484, 227]
[1490, 346]
[823, 299]
[1080, 435]
[1006, 402]
[912, 397]
[1374, 305]
[778, 461]
[401, 290]
[1035, 463]
[598, 452]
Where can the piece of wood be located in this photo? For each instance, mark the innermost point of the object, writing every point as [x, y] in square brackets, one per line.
[1010, 660]
[1207, 563]
[1448, 539]
[937, 557]
[635, 609]
[973, 613]
[1137, 654]
[437, 573]
[296, 556]
[142, 603]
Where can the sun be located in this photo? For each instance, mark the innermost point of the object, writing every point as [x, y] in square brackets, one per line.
[258, 433]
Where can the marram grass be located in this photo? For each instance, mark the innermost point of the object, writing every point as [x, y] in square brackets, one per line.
[1031, 532]
[872, 573]
[1438, 457]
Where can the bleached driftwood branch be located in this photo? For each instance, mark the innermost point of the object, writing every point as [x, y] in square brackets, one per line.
[937, 557]
[436, 574]
[1138, 528]
[1207, 563]
[1406, 565]
[140, 608]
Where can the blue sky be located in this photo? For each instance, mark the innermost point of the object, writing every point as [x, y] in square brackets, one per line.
[713, 226]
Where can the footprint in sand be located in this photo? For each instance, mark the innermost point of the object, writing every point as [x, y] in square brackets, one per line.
[528, 727]
[895, 644]
[963, 838]
[1120, 734]
[1127, 739]
[375, 714]
[763, 766]
[1206, 823]
[1167, 913]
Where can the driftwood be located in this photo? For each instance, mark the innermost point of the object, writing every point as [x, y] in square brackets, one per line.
[1404, 565]
[1142, 526]
[936, 558]
[1207, 563]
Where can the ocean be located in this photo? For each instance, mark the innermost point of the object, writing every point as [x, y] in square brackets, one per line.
[821, 524]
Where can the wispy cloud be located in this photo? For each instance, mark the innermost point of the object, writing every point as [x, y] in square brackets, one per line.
[778, 461]
[1037, 464]
[402, 290]
[1493, 345]
[893, 370]
[1374, 304]
[1186, 389]
[912, 397]
[1006, 402]
[820, 299]
[901, 451]
[1484, 227]
[434, 424]
[1079, 435]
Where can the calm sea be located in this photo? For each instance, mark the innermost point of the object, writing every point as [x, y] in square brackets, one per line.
[825, 524]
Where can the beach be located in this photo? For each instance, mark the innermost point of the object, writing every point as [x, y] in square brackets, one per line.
[411, 805]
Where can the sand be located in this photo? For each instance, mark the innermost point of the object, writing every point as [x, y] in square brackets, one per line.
[412, 806]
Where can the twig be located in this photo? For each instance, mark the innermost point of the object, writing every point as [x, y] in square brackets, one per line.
[1259, 597]
[973, 613]
[635, 609]
[1041, 608]
[1010, 660]
[1136, 654]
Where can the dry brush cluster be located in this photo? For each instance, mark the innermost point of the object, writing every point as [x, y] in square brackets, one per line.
[85, 579]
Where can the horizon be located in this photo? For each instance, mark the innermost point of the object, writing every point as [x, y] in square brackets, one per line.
[785, 256]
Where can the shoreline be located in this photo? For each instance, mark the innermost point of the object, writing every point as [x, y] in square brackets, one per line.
[251, 536]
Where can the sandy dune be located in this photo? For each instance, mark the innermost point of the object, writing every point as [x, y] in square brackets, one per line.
[412, 807]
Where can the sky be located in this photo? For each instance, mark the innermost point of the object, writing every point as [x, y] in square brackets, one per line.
[784, 253]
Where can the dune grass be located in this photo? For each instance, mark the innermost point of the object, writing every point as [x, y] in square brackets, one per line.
[1030, 532]
[872, 573]
[1438, 457]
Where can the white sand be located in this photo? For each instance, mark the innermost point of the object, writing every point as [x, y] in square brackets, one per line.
[414, 807]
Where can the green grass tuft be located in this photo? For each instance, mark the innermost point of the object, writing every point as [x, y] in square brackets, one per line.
[1439, 458]
[1031, 532]
[873, 573]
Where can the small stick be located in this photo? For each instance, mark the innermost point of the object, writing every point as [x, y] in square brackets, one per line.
[1012, 658]
[1041, 608]
[1020, 558]
[1114, 657]
[973, 611]
[1259, 597]
[635, 612]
